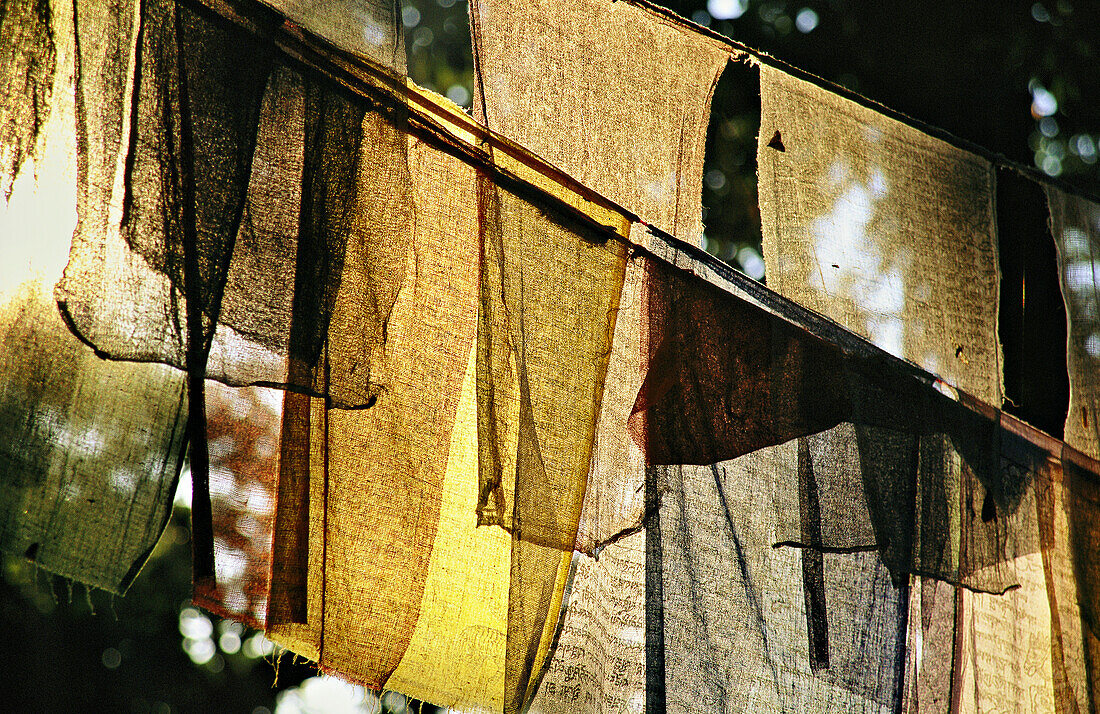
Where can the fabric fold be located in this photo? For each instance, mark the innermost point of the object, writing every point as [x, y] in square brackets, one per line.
[370, 486]
[480, 378]
[223, 226]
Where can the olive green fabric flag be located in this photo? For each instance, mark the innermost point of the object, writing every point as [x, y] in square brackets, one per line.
[90, 450]
[28, 56]
[550, 288]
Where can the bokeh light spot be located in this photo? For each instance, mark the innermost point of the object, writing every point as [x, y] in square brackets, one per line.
[727, 9]
[458, 94]
[1043, 103]
[806, 20]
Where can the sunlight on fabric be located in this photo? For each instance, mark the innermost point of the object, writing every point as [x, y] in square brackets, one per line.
[845, 253]
[883, 228]
[96, 444]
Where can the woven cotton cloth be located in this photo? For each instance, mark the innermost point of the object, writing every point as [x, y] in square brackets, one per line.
[368, 28]
[902, 491]
[29, 57]
[350, 520]
[854, 207]
[483, 373]
[581, 83]
[1075, 223]
[881, 227]
[552, 77]
[89, 450]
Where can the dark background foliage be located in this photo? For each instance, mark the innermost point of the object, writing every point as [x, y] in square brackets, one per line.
[1019, 78]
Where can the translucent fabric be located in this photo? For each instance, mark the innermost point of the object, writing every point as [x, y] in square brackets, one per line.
[90, 450]
[187, 252]
[243, 430]
[370, 533]
[1075, 223]
[367, 28]
[28, 57]
[553, 77]
[906, 489]
[549, 293]
[238, 201]
[487, 367]
[882, 228]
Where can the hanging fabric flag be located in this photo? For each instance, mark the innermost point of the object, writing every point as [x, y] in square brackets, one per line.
[881, 227]
[1075, 223]
[598, 662]
[911, 482]
[373, 217]
[549, 292]
[28, 57]
[149, 287]
[242, 428]
[578, 84]
[726, 379]
[89, 453]
[581, 83]
[890, 232]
